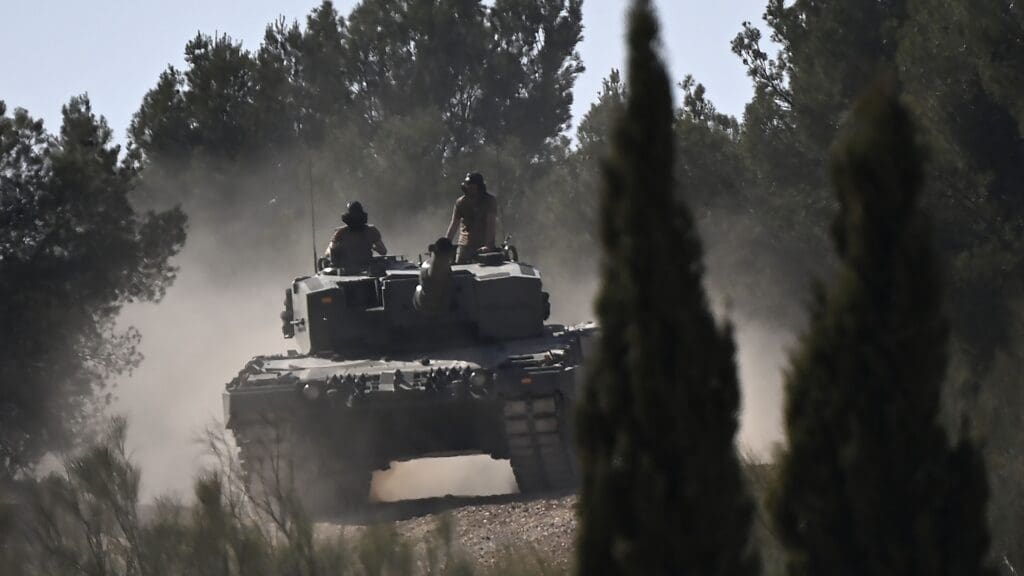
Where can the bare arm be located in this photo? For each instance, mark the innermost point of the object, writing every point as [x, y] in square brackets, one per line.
[330, 245]
[492, 224]
[450, 235]
[378, 245]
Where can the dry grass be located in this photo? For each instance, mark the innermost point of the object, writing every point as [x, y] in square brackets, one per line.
[86, 521]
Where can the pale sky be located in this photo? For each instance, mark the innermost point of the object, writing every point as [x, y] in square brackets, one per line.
[51, 50]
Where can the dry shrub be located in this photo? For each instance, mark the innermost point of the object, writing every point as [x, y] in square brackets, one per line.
[86, 520]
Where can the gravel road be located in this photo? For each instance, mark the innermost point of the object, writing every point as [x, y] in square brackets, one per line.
[486, 528]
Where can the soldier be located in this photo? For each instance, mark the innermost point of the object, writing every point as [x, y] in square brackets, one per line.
[435, 285]
[474, 217]
[353, 244]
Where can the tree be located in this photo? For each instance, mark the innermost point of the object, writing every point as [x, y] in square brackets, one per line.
[957, 61]
[411, 54]
[530, 73]
[828, 51]
[995, 40]
[72, 252]
[388, 105]
[662, 490]
[323, 73]
[969, 55]
[869, 483]
[566, 198]
[979, 165]
[203, 115]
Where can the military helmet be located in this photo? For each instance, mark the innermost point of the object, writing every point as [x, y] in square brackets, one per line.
[355, 215]
[474, 178]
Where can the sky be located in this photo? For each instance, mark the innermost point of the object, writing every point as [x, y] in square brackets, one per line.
[51, 50]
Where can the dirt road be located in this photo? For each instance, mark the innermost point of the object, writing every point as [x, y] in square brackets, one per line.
[486, 528]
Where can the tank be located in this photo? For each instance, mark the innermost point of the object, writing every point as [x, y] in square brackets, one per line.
[398, 360]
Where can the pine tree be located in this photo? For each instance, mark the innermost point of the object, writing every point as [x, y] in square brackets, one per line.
[870, 483]
[957, 60]
[662, 486]
[73, 251]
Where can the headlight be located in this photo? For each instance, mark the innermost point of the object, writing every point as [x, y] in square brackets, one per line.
[311, 391]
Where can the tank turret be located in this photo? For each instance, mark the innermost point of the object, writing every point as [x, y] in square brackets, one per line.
[395, 305]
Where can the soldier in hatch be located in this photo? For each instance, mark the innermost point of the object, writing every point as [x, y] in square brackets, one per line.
[474, 218]
[353, 244]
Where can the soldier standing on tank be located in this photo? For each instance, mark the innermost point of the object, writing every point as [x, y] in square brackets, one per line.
[475, 218]
[353, 244]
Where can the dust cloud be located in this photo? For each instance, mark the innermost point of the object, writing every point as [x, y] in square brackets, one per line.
[194, 342]
[762, 347]
[457, 476]
[762, 353]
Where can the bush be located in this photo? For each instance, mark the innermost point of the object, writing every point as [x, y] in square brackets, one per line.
[87, 520]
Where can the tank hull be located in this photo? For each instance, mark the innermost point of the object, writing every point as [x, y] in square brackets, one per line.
[335, 420]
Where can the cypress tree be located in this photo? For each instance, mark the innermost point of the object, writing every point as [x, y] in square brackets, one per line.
[662, 489]
[870, 483]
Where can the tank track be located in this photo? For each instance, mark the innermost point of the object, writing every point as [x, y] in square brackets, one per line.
[540, 444]
[283, 465]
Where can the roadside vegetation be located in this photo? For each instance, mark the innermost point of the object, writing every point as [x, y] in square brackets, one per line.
[87, 520]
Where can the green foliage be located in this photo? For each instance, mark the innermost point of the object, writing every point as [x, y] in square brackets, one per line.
[978, 161]
[489, 74]
[956, 60]
[389, 105]
[869, 483]
[657, 420]
[73, 250]
[947, 53]
[731, 212]
[570, 204]
[530, 76]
